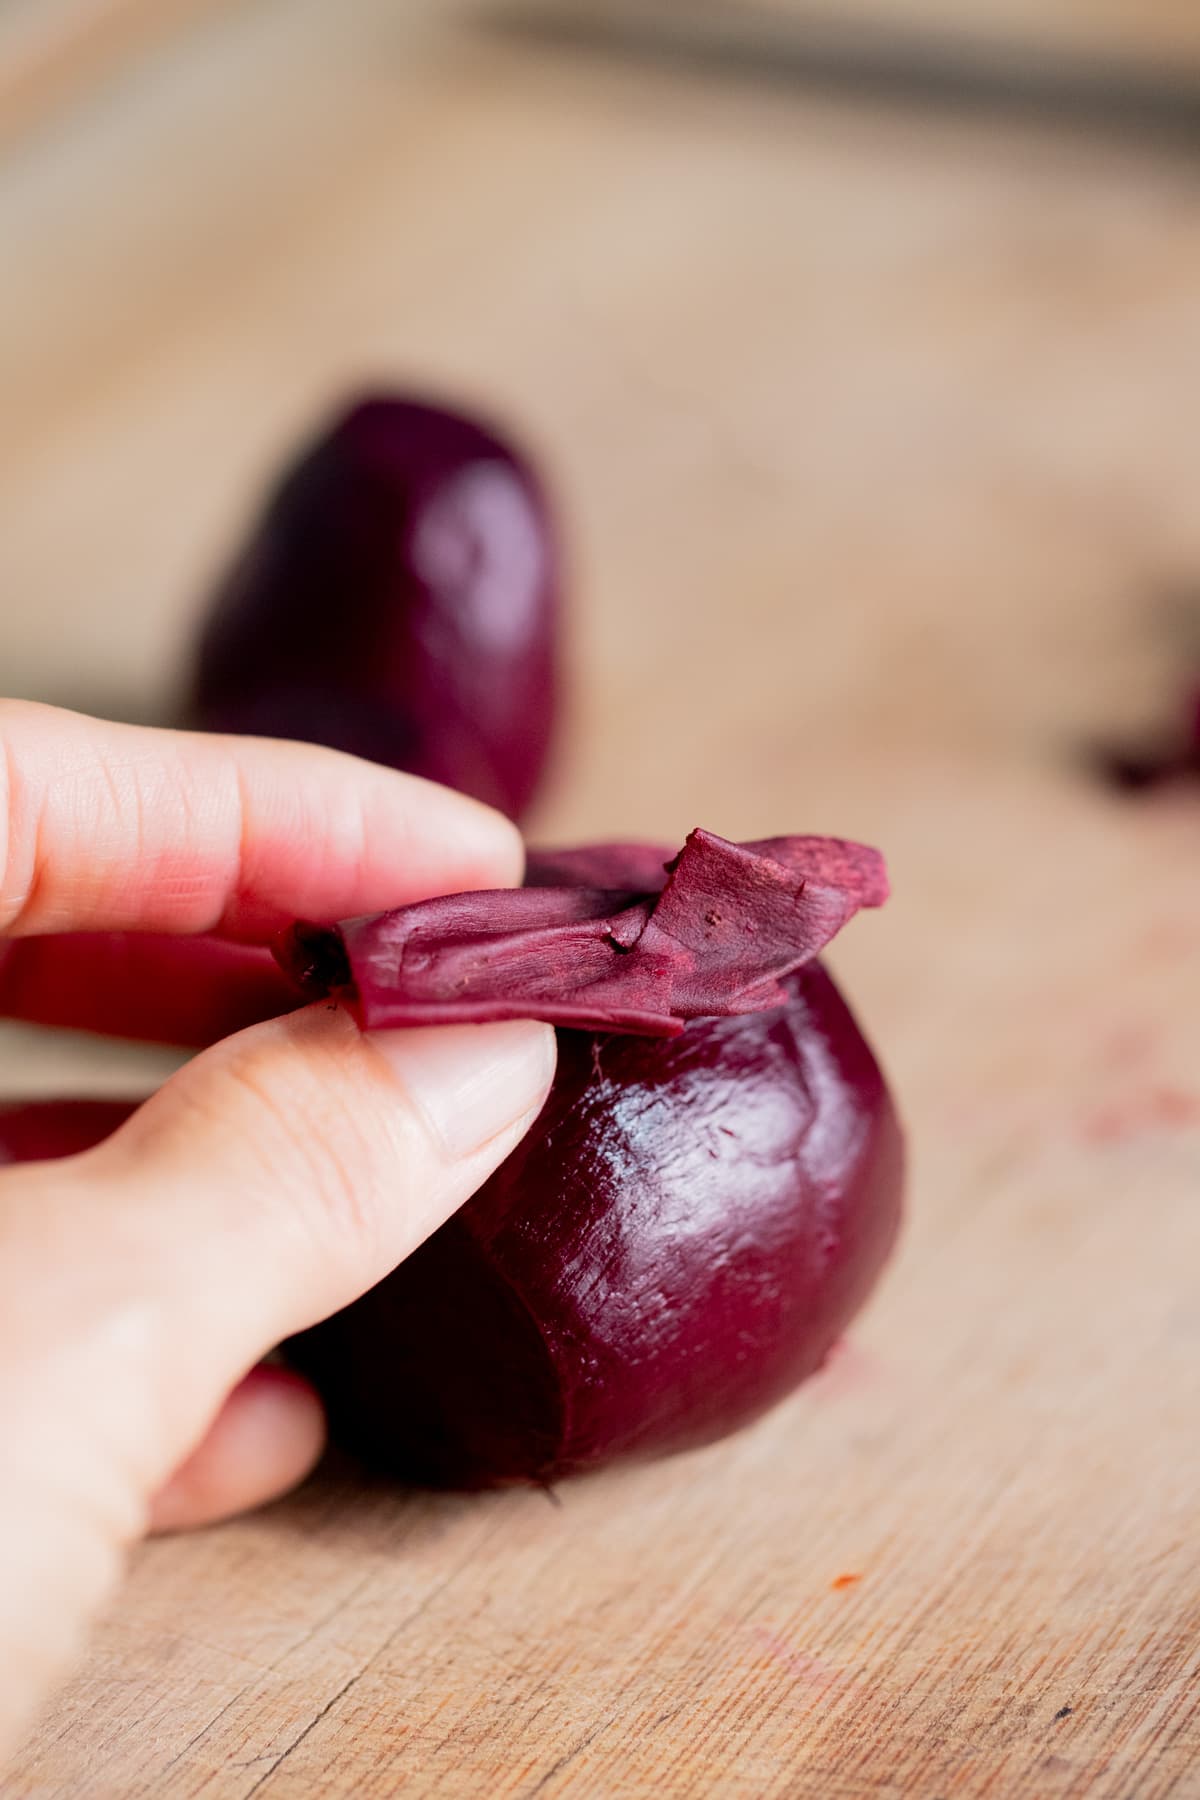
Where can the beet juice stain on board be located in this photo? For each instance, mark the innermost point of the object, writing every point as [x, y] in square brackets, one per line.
[398, 598]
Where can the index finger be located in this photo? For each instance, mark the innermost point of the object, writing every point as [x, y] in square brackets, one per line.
[108, 827]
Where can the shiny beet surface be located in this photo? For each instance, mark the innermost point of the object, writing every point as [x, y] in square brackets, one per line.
[680, 1239]
[397, 599]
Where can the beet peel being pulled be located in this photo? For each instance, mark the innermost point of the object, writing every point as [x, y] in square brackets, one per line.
[632, 944]
[703, 1205]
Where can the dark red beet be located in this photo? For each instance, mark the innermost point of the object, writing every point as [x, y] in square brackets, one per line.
[168, 990]
[398, 599]
[715, 930]
[681, 1238]
[40, 1130]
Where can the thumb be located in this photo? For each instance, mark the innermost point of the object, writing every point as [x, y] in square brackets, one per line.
[271, 1181]
[280, 1174]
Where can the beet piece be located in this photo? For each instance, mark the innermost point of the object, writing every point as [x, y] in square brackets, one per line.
[163, 990]
[40, 1130]
[398, 599]
[720, 928]
[679, 1241]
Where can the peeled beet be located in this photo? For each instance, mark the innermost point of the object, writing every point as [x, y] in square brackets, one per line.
[680, 1239]
[698, 1211]
[397, 599]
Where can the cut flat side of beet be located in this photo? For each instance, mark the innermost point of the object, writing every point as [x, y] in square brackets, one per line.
[680, 1239]
[723, 927]
[399, 599]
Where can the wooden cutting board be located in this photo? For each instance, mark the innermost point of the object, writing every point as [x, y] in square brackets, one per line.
[1138, 32]
[878, 436]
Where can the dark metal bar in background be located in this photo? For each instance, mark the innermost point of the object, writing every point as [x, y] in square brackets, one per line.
[913, 67]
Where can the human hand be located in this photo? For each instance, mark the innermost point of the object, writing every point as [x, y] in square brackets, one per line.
[277, 1176]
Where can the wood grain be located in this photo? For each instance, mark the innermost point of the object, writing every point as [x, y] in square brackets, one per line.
[1124, 69]
[878, 438]
[51, 51]
[1138, 29]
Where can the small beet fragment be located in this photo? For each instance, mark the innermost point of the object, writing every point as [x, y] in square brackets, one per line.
[680, 1240]
[714, 930]
[398, 599]
[697, 1213]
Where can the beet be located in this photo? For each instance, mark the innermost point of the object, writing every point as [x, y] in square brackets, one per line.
[133, 984]
[40, 1130]
[680, 1239]
[695, 1216]
[714, 930]
[397, 599]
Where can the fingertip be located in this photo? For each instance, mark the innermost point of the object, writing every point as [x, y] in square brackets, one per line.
[469, 1083]
[328, 836]
[439, 830]
[491, 849]
[114, 827]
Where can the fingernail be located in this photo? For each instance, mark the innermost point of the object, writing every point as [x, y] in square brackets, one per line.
[471, 1081]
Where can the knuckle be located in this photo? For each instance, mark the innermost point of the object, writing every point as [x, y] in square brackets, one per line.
[322, 1147]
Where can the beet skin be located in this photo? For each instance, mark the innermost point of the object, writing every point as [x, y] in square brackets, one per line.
[613, 937]
[397, 599]
[679, 1240]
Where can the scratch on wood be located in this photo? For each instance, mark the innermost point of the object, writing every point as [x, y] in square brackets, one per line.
[204, 1729]
[311, 1726]
[567, 1758]
[410, 1618]
[296, 1644]
[672, 1712]
[326, 1618]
